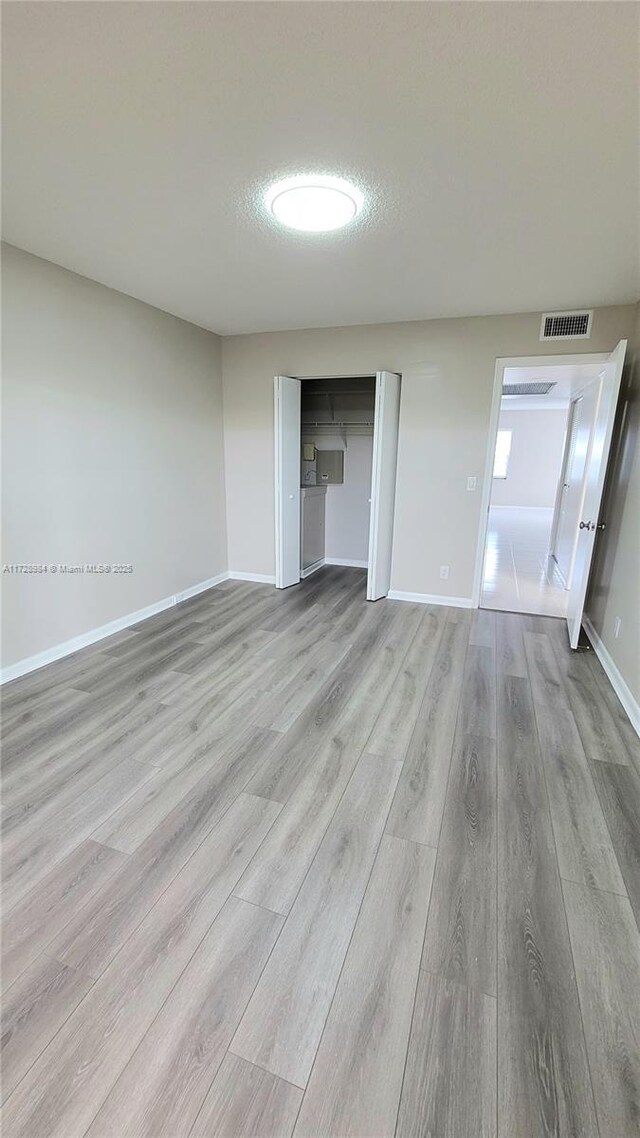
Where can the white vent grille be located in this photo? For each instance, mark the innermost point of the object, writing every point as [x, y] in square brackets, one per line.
[566, 325]
[527, 388]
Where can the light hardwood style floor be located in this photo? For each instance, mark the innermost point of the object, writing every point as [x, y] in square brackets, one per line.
[295, 864]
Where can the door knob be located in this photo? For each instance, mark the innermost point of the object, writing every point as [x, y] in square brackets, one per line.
[587, 525]
[291, 496]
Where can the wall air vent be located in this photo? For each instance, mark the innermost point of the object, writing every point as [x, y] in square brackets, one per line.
[527, 388]
[566, 325]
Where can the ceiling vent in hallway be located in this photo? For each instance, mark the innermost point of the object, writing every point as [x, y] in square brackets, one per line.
[566, 325]
[527, 388]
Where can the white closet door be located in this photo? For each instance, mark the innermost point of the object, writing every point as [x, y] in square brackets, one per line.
[383, 484]
[287, 480]
[595, 471]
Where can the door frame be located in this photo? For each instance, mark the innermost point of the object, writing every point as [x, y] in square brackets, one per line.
[302, 378]
[503, 362]
[279, 532]
[553, 537]
[388, 397]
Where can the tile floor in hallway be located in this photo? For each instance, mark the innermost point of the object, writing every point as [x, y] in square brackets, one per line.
[292, 864]
[519, 575]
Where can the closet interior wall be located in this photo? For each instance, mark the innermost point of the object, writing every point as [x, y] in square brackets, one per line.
[338, 414]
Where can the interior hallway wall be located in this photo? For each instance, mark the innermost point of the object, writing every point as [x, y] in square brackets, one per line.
[448, 369]
[347, 504]
[615, 581]
[113, 453]
[537, 439]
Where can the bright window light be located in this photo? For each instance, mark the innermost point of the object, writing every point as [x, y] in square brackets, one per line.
[503, 451]
[314, 203]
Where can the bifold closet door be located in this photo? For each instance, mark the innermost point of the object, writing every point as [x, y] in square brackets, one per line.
[287, 479]
[383, 483]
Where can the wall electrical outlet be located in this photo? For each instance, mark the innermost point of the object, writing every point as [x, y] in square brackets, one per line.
[444, 572]
[617, 624]
[472, 482]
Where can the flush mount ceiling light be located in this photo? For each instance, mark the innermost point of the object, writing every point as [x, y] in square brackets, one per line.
[314, 203]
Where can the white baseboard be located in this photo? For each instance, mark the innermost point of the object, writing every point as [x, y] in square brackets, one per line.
[346, 561]
[201, 588]
[312, 568]
[616, 679]
[68, 647]
[431, 599]
[261, 578]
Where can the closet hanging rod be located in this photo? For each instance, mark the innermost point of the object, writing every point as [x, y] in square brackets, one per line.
[338, 423]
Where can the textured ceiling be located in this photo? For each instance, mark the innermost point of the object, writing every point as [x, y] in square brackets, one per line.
[497, 145]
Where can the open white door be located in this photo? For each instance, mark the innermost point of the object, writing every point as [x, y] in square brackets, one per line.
[596, 468]
[287, 461]
[383, 484]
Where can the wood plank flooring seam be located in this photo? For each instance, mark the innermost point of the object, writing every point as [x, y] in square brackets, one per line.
[437, 845]
[178, 978]
[105, 1091]
[424, 681]
[544, 1077]
[413, 1010]
[602, 933]
[118, 859]
[564, 907]
[303, 1088]
[255, 904]
[411, 1022]
[259, 1065]
[51, 1041]
[595, 888]
[82, 837]
[400, 827]
[365, 884]
[359, 1063]
[313, 859]
[555, 846]
[622, 816]
[179, 870]
[573, 699]
[449, 1087]
[166, 1000]
[247, 1064]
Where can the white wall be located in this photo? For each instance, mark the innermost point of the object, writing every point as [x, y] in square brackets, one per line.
[448, 369]
[113, 452]
[537, 441]
[347, 505]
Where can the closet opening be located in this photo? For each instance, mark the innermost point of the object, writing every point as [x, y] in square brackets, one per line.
[336, 426]
[336, 441]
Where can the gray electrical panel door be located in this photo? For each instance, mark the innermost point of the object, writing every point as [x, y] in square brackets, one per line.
[329, 467]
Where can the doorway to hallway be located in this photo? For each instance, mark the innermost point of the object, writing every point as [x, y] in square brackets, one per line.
[551, 426]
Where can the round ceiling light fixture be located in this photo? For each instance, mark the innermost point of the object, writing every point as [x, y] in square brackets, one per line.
[314, 203]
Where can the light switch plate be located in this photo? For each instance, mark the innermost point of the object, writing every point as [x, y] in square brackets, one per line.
[472, 482]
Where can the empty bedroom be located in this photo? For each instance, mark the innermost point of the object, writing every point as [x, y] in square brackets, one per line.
[320, 646]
